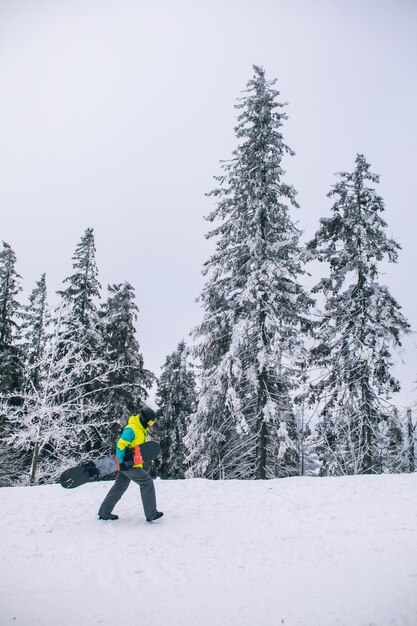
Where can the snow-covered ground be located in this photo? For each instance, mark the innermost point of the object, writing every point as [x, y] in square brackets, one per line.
[299, 551]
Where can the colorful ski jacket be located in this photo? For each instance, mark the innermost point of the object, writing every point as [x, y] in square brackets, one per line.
[133, 435]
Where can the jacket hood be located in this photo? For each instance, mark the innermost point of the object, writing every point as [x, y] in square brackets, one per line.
[134, 420]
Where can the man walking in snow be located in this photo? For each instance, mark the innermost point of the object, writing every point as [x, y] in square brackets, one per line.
[134, 434]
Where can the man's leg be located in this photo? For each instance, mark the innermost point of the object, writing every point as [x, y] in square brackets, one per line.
[147, 490]
[120, 485]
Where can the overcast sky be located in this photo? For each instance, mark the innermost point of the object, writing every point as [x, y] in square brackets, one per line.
[115, 115]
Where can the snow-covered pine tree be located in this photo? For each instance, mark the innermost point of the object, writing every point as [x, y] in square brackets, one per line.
[81, 325]
[83, 291]
[176, 398]
[128, 380]
[309, 462]
[255, 309]
[360, 326]
[44, 426]
[11, 358]
[392, 439]
[10, 309]
[35, 317]
[35, 320]
[411, 447]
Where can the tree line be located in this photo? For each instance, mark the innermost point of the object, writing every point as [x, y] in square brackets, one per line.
[267, 355]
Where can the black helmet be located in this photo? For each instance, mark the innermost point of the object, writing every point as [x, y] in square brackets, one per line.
[147, 416]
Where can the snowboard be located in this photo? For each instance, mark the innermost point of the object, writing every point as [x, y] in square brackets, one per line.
[90, 471]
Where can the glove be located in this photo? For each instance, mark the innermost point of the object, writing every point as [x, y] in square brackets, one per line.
[127, 465]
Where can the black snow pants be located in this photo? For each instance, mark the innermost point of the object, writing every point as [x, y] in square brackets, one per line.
[122, 482]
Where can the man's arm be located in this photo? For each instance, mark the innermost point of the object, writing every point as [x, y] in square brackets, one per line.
[125, 440]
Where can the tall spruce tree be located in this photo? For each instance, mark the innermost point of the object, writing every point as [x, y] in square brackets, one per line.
[11, 358]
[177, 400]
[10, 310]
[81, 326]
[255, 309]
[83, 292]
[411, 444]
[360, 326]
[392, 440]
[128, 381]
[35, 319]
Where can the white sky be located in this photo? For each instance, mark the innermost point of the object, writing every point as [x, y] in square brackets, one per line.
[115, 115]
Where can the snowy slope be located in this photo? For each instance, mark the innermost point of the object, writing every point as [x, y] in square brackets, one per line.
[300, 551]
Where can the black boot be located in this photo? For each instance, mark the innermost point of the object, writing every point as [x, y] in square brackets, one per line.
[109, 516]
[155, 516]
